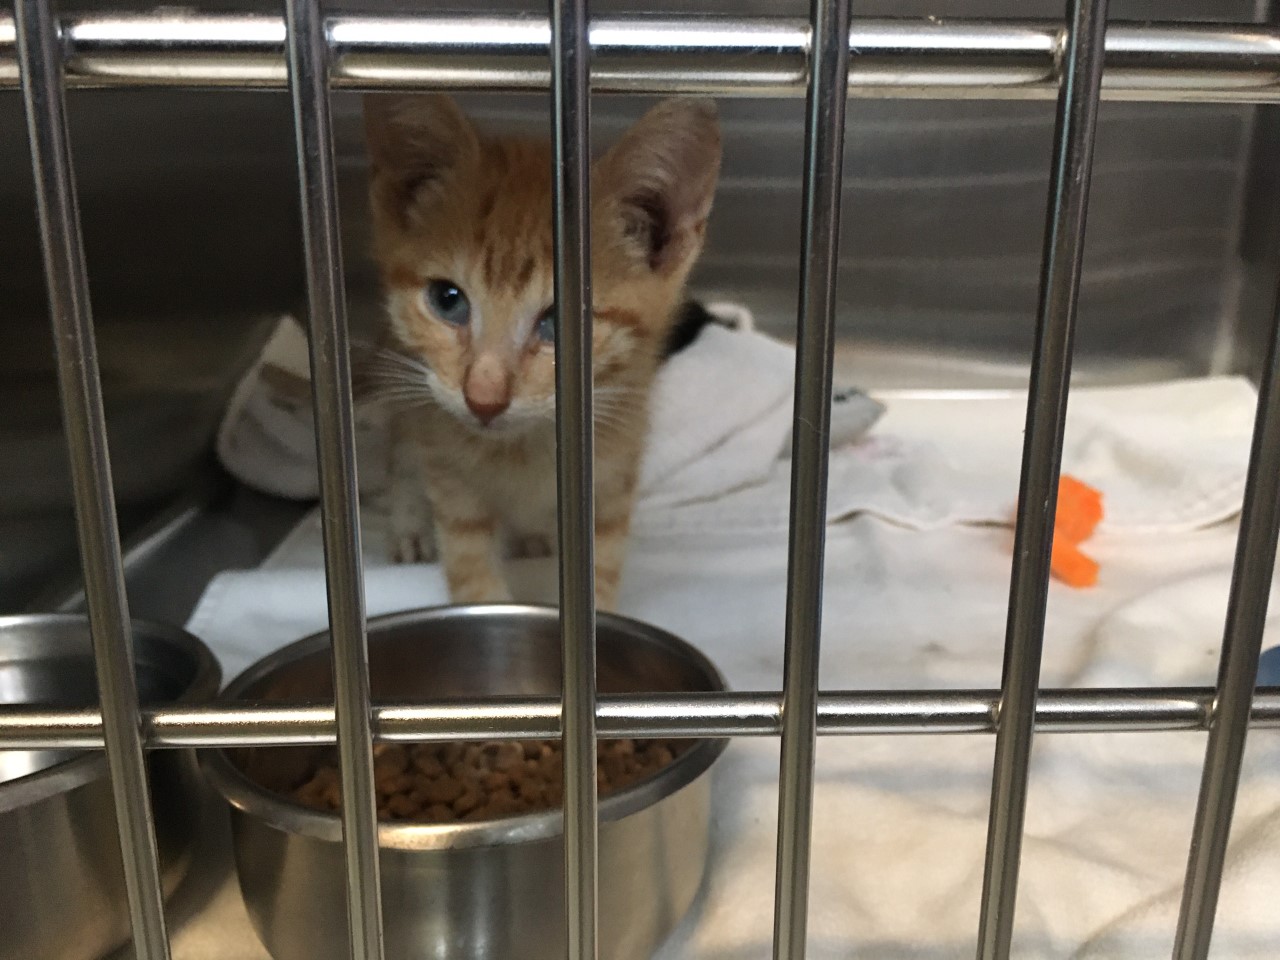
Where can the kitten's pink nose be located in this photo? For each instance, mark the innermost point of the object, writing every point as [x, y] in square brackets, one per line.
[487, 388]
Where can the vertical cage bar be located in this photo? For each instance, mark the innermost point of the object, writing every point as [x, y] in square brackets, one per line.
[335, 441]
[1041, 460]
[40, 59]
[819, 258]
[1237, 669]
[571, 128]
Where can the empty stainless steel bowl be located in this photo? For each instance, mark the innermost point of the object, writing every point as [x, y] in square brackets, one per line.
[61, 882]
[491, 890]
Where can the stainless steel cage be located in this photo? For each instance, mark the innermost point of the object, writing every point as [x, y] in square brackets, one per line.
[828, 59]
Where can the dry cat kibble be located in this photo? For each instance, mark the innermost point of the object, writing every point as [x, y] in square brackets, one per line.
[446, 782]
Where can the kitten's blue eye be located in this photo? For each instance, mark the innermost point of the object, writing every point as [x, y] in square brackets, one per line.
[546, 328]
[449, 302]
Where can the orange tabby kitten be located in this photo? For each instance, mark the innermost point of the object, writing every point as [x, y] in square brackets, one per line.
[463, 237]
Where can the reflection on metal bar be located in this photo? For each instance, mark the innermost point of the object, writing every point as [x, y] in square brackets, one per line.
[728, 57]
[862, 713]
[86, 430]
[571, 139]
[1238, 668]
[819, 257]
[1041, 461]
[335, 442]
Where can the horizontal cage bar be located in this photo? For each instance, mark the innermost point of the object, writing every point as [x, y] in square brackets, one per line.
[858, 713]
[731, 57]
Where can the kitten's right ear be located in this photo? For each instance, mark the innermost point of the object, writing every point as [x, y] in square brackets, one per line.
[663, 174]
[416, 140]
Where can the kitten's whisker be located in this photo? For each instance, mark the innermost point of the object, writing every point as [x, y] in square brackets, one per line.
[418, 393]
[405, 388]
[403, 364]
[387, 360]
[613, 421]
[620, 393]
[399, 404]
[389, 368]
[618, 399]
[395, 374]
[616, 409]
[408, 383]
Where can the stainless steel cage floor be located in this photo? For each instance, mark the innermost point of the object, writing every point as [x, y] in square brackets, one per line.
[827, 59]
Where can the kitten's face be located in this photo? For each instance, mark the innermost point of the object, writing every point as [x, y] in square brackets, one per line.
[463, 235]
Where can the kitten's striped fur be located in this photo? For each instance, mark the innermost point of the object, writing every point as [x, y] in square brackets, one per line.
[477, 438]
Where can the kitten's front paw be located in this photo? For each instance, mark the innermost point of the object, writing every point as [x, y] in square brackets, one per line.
[486, 590]
[531, 546]
[413, 547]
[411, 536]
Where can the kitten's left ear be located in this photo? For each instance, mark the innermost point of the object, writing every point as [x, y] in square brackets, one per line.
[663, 175]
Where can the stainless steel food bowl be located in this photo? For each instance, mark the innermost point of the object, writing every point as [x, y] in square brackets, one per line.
[491, 890]
[61, 882]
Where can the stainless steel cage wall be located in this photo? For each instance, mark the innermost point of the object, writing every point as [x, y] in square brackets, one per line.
[826, 59]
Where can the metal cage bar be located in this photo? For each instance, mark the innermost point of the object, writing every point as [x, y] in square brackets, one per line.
[728, 57]
[571, 138]
[1060, 268]
[335, 444]
[84, 422]
[853, 713]
[811, 427]
[1238, 668]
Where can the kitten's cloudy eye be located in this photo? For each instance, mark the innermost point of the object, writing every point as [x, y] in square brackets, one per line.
[546, 328]
[449, 302]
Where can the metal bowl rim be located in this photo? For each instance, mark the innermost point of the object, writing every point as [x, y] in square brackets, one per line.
[74, 772]
[253, 800]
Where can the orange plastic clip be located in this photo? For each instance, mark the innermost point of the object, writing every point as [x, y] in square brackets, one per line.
[1078, 514]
